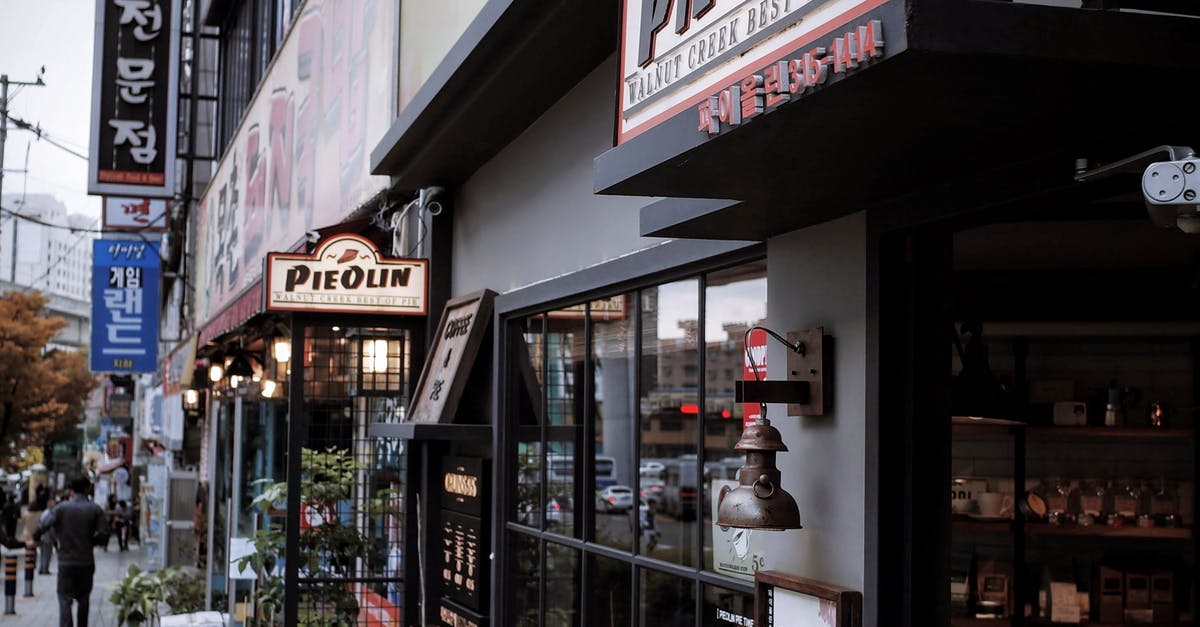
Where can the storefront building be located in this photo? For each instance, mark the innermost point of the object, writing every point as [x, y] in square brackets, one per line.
[642, 185]
[309, 319]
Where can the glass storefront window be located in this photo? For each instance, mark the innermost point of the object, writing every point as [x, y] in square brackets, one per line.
[666, 600]
[735, 301]
[609, 601]
[526, 581]
[610, 426]
[562, 586]
[564, 413]
[727, 607]
[669, 404]
[613, 391]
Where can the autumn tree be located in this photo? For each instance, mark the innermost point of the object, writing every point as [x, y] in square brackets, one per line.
[42, 393]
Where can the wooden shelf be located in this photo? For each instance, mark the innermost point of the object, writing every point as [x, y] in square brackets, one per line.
[1092, 531]
[964, 621]
[985, 426]
[1140, 433]
[1128, 531]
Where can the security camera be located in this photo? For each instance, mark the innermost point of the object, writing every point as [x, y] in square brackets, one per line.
[312, 237]
[426, 200]
[1171, 190]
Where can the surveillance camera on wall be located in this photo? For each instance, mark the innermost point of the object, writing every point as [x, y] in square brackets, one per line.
[1172, 193]
[427, 202]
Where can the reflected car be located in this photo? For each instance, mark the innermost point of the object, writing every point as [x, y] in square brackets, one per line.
[614, 498]
[559, 510]
[652, 491]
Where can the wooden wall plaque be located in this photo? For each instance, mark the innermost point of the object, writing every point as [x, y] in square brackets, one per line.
[782, 599]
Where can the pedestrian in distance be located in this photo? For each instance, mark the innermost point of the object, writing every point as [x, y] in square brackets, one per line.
[79, 525]
[47, 548]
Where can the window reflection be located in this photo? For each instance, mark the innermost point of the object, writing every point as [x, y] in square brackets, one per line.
[735, 300]
[562, 586]
[526, 412]
[666, 600]
[613, 393]
[611, 594]
[727, 607]
[668, 413]
[564, 375]
[525, 581]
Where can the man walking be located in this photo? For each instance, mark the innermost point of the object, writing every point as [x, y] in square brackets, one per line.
[76, 523]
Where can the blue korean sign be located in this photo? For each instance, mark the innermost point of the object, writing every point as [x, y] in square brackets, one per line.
[124, 306]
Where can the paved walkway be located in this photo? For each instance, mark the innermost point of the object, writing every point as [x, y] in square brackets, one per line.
[42, 609]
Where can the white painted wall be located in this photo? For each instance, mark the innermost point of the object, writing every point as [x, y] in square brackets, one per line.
[529, 214]
[817, 277]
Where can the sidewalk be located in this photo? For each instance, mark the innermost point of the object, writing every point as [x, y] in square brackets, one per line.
[42, 609]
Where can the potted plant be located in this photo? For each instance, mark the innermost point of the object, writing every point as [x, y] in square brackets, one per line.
[140, 595]
[331, 543]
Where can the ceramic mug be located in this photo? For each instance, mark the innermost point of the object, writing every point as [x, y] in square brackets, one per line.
[991, 504]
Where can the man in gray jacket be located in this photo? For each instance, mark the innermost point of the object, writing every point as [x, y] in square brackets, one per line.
[77, 524]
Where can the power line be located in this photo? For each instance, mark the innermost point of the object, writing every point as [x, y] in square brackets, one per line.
[76, 229]
[42, 134]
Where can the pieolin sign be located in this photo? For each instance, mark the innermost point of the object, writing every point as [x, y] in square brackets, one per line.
[346, 274]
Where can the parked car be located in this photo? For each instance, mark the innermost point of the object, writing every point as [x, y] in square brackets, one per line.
[652, 491]
[559, 510]
[614, 498]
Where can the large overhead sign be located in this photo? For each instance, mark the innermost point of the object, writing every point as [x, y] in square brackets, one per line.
[134, 98]
[677, 53]
[125, 277]
[347, 274]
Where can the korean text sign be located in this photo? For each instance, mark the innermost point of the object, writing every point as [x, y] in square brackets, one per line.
[125, 288]
[134, 98]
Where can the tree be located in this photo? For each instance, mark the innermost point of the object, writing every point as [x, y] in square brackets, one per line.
[42, 393]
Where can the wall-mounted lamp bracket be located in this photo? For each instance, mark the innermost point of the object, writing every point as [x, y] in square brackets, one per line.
[772, 392]
[808, 389]
[813, 365]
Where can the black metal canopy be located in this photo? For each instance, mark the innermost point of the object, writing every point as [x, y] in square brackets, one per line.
[975, 88]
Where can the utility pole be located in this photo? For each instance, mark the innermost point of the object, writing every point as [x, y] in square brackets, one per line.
[4, 83]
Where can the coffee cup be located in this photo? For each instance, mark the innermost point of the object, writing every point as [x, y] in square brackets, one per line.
[991, 504]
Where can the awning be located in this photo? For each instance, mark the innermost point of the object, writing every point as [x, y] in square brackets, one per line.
[965, 88]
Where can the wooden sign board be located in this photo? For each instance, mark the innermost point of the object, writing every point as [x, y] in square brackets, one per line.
[459, 334]
[782, 599]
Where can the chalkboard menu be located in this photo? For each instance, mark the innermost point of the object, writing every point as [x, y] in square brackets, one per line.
[463, 538]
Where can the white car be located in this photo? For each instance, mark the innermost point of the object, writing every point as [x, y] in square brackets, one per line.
[614, 498]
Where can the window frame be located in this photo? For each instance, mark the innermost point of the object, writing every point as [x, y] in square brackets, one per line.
[666, 263]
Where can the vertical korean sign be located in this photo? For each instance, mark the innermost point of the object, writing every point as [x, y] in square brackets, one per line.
[124, 306]
[134, 98]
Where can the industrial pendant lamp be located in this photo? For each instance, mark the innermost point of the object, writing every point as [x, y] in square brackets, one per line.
[976, 393]
[240, 366]
[759, 501]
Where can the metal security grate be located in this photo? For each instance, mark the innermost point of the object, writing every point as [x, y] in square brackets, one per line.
[352, 494]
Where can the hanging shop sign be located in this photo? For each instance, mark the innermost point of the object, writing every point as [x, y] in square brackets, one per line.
[125, 277]
[459, 334]
[347, 274]
[135, 214]
[134, 97]
[674, 53]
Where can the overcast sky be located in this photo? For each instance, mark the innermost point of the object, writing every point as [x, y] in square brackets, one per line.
[57, 34]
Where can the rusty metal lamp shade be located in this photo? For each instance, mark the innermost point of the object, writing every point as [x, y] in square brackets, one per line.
[759, 502]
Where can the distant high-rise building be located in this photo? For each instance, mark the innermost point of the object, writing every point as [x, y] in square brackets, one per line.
[40, 250]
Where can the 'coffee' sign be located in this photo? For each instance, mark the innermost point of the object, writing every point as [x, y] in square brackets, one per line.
[347, 274]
